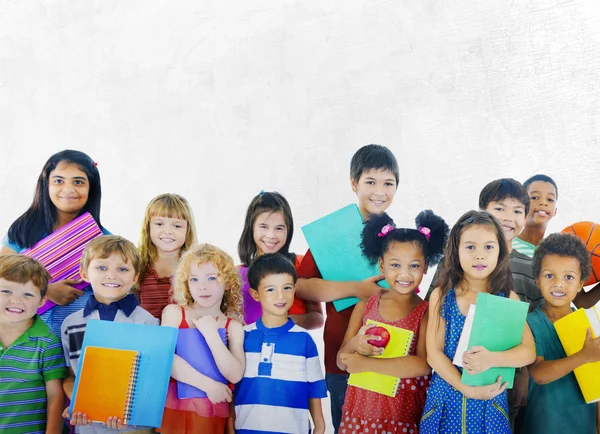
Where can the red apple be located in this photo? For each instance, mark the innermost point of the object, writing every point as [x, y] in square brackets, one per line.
[382, 333]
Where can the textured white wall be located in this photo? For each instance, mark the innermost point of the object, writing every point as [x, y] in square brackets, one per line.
[218, 100]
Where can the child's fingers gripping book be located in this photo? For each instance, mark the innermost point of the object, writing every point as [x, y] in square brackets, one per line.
[497, 324]
[334, 242]
[124, 371]
[192, 347]
[572, 331]
[398, 346]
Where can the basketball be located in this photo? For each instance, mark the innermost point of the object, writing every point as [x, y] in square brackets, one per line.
[589, 233]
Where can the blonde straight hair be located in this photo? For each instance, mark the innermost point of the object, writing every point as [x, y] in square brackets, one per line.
[167, 206]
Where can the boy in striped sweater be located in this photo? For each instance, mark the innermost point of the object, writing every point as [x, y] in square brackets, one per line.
[32, 365]
[283, 382]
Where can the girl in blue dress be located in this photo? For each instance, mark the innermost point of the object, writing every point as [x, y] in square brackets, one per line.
[477, 260]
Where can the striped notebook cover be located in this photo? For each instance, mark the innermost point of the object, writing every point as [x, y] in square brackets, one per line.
[398, 346]
[105, 384]
[61, 251]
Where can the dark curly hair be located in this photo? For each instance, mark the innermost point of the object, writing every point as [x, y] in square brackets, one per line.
[374, 246]
[565, 245]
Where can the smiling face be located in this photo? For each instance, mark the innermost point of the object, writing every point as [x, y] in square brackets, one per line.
[403, 266]
[478, 252]
[375, 190]
[270, 232]
[542, 196]
[68, 188]
[276, 294]
[167, 234]
[560, 279]
[111, 278]
[511, 215]
[204, 285]
[19, 302]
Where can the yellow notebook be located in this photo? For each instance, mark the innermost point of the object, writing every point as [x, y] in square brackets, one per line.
[398, 346]
[106, 383]
[571, 331]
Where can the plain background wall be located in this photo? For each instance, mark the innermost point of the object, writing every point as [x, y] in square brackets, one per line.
[219, 100]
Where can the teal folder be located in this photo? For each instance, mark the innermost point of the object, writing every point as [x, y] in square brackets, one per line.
[498, 326]
[334, 242]
[156, 346]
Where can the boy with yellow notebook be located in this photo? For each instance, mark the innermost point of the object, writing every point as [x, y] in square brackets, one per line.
[111, 265]
[555, 404]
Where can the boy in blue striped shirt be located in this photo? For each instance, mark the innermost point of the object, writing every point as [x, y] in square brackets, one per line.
[283, 382]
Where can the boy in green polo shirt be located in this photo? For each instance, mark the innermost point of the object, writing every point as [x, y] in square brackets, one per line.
[32, 364]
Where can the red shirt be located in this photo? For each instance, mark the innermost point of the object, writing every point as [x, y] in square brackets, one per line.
[336, 322]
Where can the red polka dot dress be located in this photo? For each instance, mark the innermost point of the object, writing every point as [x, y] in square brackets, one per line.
[373, 413]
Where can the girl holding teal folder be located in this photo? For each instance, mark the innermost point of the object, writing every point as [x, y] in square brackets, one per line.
[476, 261]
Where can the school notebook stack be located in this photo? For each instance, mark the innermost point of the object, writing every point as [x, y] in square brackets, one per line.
[61, 251]
[107, 383]
[124, 368]
[192, 347]
[571, 331]
[496, 323]
[334, 242]
[398, 346]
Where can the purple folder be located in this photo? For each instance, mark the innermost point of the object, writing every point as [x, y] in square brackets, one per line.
[192, 347]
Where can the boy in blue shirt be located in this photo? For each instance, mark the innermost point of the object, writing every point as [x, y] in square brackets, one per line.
[283, 382]
[111, 265]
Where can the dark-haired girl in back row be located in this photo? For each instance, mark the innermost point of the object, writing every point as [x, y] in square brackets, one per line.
[68, 186]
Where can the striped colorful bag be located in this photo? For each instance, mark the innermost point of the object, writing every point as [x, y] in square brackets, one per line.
[61, 251]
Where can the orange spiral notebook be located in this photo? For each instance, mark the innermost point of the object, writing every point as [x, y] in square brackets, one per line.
[106, 383]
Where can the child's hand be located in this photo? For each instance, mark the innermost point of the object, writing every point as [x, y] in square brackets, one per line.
[477, 360]
[591, 347]
[77, 418]
[62, 293]
[114, 422]
[360, 344]
[207, 325]
[484, 392]
[353, 363]
[218, 392]
[369, 287]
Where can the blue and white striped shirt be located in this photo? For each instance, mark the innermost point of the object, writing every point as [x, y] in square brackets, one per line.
[282, 373]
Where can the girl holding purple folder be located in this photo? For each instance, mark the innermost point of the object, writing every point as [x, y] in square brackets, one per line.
[207, 290]
[68, 186]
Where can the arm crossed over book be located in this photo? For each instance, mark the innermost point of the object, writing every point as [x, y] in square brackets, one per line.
[579, 334]
[495, 340]
[382, 373]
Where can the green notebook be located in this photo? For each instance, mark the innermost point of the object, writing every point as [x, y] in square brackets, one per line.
[497, 325]
[334, 242]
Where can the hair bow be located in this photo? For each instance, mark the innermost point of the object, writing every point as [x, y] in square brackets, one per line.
[425, 231]
[385, 230]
